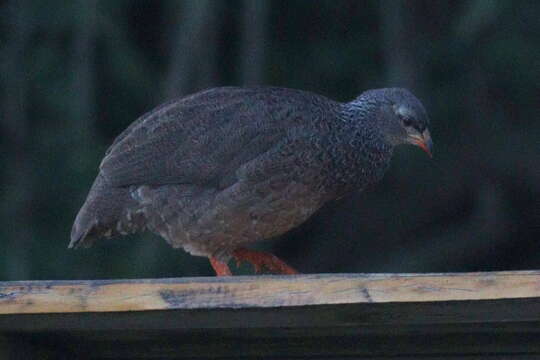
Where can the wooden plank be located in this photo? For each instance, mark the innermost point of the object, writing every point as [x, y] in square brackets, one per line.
[32, 297]
[379, 316]
[498, 329]
[262, 344]
[402, 318]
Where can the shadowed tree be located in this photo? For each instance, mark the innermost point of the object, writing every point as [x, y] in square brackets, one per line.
[17, 190]
[398, 24]
[193, 46]
[253, 41]
[83, 101]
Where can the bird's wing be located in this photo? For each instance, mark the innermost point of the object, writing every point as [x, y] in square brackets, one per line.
[201, 139]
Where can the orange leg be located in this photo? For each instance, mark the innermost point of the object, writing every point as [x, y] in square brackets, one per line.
[220, 268]
[261, 259]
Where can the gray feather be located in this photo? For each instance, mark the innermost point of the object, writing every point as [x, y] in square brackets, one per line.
[229, 166]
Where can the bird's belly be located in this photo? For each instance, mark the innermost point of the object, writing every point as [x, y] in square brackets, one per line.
[244, 214]
[215, 223]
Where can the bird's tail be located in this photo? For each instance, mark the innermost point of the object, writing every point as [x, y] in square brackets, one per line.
[101, 215]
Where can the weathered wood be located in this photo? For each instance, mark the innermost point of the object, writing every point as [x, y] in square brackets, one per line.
[260, 291]
[383, 316]
[498, 329]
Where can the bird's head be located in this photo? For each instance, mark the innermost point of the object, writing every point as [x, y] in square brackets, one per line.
[399, 116]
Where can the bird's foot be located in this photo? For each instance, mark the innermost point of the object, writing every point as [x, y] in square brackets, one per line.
[260, 259]
[220, 268]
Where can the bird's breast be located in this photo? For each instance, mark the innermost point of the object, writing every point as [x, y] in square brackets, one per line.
[354, 164]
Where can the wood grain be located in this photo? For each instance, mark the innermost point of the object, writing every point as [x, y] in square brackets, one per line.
[339, 316]
[34, 297]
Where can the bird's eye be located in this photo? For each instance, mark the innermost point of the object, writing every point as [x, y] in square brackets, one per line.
[407, 122]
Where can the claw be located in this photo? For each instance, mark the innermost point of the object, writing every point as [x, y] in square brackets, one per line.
[220, 268]
[261, 259]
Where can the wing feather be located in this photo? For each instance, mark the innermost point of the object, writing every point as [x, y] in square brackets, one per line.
[201, 139]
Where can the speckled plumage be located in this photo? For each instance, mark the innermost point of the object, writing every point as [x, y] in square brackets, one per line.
[229, 166]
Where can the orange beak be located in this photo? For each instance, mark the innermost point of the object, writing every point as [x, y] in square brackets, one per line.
[424, 142]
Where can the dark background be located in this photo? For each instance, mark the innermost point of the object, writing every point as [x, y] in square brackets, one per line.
[74, 74]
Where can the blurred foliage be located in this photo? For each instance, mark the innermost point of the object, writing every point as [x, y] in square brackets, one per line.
[75, 74]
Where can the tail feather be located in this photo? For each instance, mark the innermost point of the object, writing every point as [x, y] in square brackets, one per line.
[100, 215]
[83, 233]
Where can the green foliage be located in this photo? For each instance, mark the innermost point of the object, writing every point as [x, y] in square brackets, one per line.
[74, 74]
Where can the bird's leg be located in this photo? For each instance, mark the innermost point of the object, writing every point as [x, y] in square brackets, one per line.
[220, 268]
[259, 259]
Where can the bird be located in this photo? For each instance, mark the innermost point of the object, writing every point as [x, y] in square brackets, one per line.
[218, 170]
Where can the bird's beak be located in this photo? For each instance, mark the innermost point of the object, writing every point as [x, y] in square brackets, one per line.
[423, 141]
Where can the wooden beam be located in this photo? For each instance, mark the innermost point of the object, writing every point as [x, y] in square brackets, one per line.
[33, 297]
[377, 316]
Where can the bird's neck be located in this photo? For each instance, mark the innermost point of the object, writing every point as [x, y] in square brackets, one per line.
[360, 153]
[359, 109]
[360, 118]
